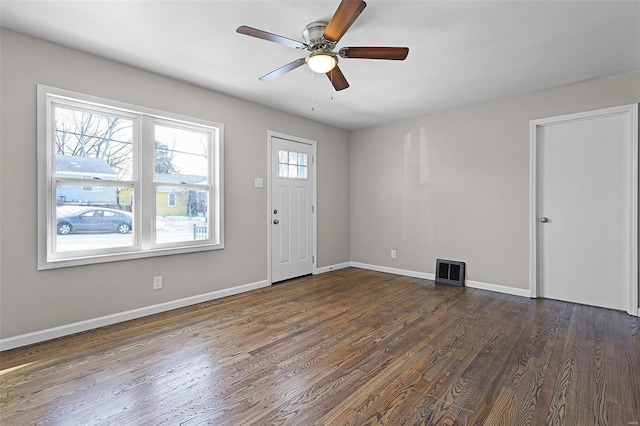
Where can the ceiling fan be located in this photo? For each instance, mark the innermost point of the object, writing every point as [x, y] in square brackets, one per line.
[321, 38]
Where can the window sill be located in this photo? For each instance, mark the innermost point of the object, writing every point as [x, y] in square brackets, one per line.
[118, 257]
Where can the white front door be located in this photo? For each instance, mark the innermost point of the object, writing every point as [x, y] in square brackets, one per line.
[585, 208]
[292, 208]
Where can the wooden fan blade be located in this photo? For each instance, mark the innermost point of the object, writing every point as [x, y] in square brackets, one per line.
[393, 53]
[346, 14]
[254, 32]
[337, 79]
[283, 70]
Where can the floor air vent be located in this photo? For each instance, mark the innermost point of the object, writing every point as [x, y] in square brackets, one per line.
[449, 272]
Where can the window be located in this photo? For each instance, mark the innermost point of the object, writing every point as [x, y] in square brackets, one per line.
[91, 188]
[292, 164]
[97, 153]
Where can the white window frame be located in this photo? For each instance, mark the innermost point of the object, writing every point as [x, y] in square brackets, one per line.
[90, 188]
[169, 203]
[142, 182]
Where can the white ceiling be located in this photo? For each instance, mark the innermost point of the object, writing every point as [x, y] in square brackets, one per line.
[461, 52]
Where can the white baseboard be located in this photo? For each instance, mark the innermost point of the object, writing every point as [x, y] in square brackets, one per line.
[77, 327]
[424, 275]
[388, 270]
[332, 267]
[514, 291]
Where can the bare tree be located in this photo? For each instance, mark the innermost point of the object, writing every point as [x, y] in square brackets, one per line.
[190, 199]
[93, 135]
[164, 158]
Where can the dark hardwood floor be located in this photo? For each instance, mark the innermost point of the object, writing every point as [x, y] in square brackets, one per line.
[347, 347]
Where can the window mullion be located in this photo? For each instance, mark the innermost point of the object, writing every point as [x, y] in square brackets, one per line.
[147, 189]
[216, 171]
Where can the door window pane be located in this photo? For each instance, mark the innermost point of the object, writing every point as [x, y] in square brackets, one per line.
[292, 165]
[293, 158]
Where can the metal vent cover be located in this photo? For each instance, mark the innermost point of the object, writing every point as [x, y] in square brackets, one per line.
[450, 272]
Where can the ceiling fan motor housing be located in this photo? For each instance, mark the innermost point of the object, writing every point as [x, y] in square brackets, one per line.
[314, 36]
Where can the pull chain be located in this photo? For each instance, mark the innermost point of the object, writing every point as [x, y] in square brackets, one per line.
[331, 98]
[313, 101]
[332, 83]
[313, 107]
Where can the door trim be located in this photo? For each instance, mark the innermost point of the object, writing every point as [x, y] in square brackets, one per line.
[314, 231]
[535, 125]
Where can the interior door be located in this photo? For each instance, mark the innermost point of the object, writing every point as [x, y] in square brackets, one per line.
[586, 208]
[291, 209]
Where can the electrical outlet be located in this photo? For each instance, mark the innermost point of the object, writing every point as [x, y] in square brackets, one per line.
[393, 254]
[157, 282]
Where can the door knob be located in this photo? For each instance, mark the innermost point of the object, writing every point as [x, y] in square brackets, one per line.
[544, 219]
[276, 221]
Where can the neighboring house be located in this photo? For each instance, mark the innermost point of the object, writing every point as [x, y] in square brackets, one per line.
[125, 199]
[171, 202]
[83, 167]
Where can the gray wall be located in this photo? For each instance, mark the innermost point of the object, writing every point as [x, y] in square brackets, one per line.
[32, 300]
[451, 185]
[455, 185]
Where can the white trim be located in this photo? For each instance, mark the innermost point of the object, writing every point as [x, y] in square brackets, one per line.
[388, 270]
[632, 111]
[634, 290]
[314, 169]
[533, 210]
[90, 324]
[330, 268]
[427, 276]
[514, 291]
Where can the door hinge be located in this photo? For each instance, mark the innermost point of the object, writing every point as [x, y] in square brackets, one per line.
[313, 259]
[313, 209]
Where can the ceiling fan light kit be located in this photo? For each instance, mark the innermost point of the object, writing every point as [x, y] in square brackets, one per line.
[321, 38]
[322, 62]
